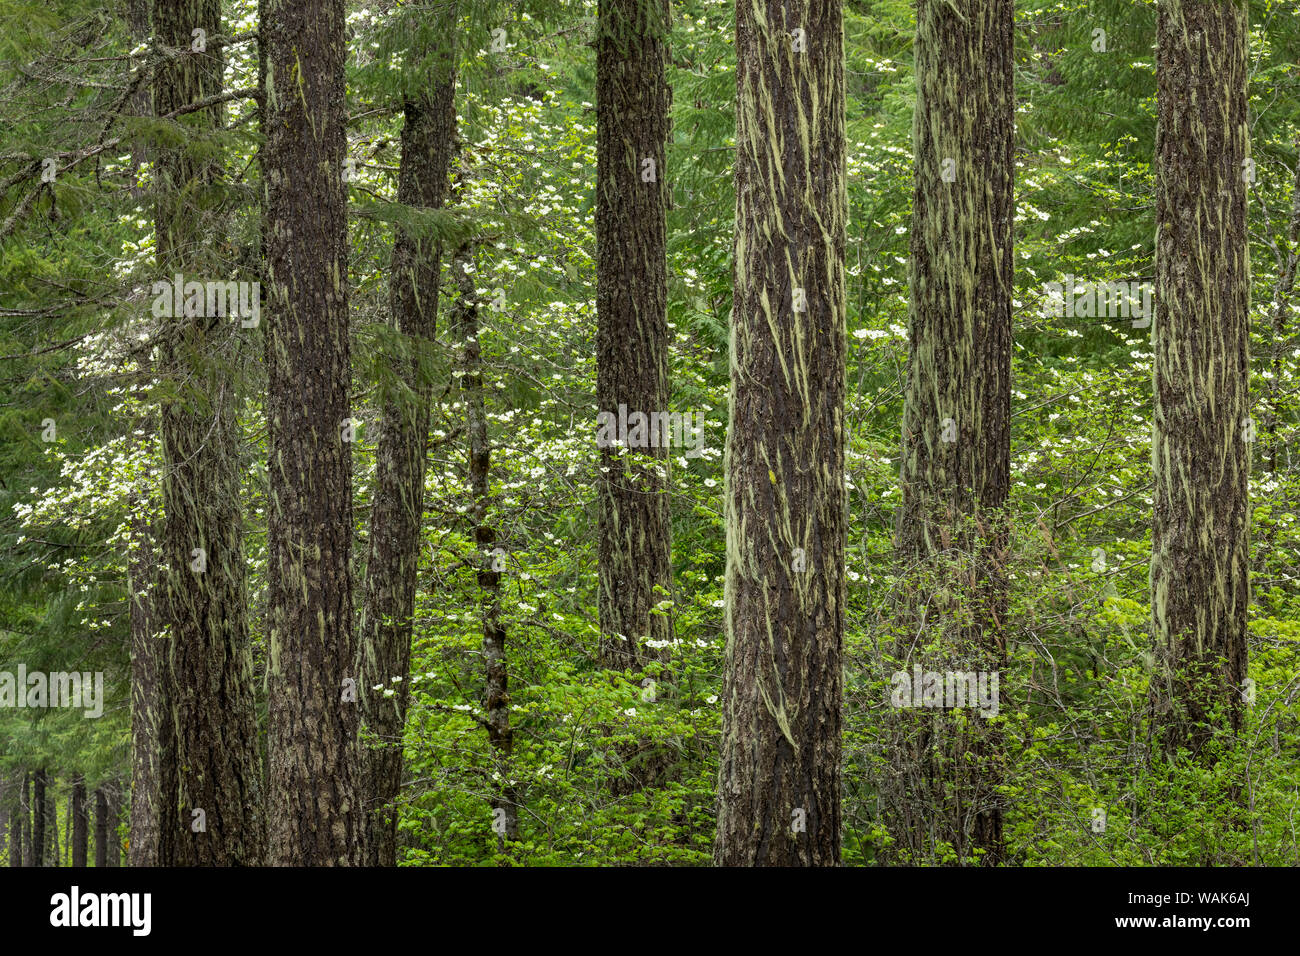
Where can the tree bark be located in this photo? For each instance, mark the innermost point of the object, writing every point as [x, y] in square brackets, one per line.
[428, 142]
[101, 827]
[80, 823]
[1200, 587]
[153, 737]
[16, 843]
[25, 809]
[786, 520]
[955, 473]
[316, 816]
[635, 531]
[220, 801]
[504, 801]
[40, 817]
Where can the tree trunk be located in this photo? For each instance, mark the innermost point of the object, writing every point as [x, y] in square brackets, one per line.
[1288, 260]
[80, 823]
[137, 21]
[40, 817]
[114, 857]
[221, 821]
[25, 809]
[955, 473]
[54, 857]
[16, 843]
[786, 520]
[315, 814]
[5, 840]
[1200, 585]
[504, 802]
[428, 142]
[153, 737]
[635, 532]
[101, 827]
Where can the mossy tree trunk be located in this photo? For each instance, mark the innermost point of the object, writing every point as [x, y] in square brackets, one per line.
[1200, 585]
[635, 535]
[80, 823]
[16, 822]
[779, 779]
[314, 807]
[955, 471]
[428, 143]
[211, 666]
[25, 809]
[153, 818]
[101, 829]
[503, 801]
[41, 816]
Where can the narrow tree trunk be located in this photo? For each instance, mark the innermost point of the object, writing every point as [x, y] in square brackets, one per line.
[955, 474]
[428, 141]
[779, 779]
[315, 814]
[203, 544]
[1200, 586]
[1288, 260]
[55, 855]
[16, 846]
[635, 532]
[137, 21]
[5, 841]
[40, 817]
[101, 827]
[153, 738]
[114, 857]
[504, 802]
[80, 823]
[25, 809]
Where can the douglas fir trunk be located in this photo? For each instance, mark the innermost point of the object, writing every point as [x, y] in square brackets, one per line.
[211, 666]
[634, 543]
[955, 472]
[315, 815]
[428, 141]
[779, 780]
[1202, 429]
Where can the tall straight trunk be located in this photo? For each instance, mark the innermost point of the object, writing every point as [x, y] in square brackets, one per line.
[1200, 585]
[1288, 262]
[634, 545]
[25, 808]
[956, 451]
[153, 752]
[101, 827]
[137, 21]
[504, 800]
[80, 823]
[16, 835]
[41, 817]
[54, 856]
[211, 664]
[153, 735]
[114, 857]
[384, 645]
[786, 518]
[16, 822]
[315, 812]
